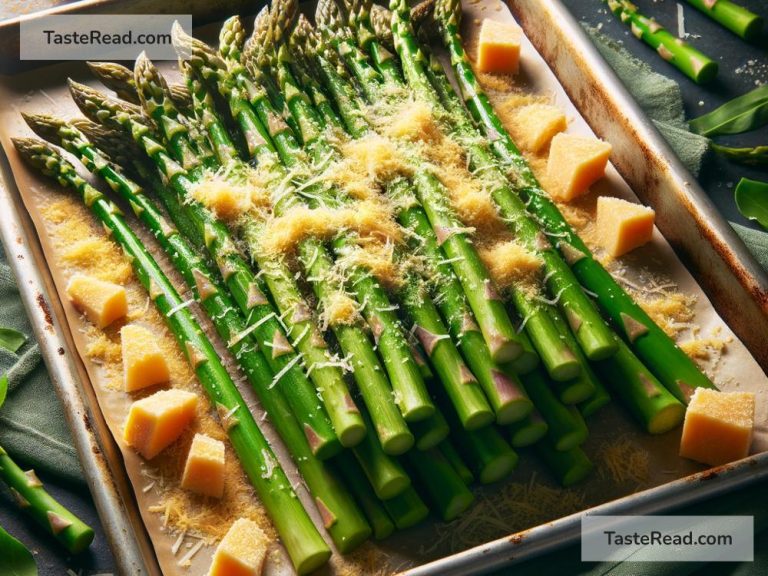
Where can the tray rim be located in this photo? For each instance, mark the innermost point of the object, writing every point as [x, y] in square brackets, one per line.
[22, 247]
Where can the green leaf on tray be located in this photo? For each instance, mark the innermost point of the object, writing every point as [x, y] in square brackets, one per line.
[15, 559]
[3, 388]
[756, 156]
[752, 200]
[743, 114]
[11, 339]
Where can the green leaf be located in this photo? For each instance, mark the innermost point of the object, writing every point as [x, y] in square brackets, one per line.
[752, 200]
[742, 114]
[3, 388]
[756, 156]
[15, 559]
[11, 339]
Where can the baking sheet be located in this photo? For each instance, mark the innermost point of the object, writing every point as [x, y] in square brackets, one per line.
[515, 505]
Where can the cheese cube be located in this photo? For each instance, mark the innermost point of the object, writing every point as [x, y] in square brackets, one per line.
[498, 50]
[156, 421]
[241, 552]
[143, 362]
[204, 470]
[623, 226]
[536, 124]
[718, 426]
[575, 163]
[101, 302]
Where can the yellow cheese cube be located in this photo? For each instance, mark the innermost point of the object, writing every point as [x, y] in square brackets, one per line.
[241, 552]
[101, 302]
[575, 163]
[498, 50]
[157, 421]
[536, 124]
[623, 226]
[204, 470]
[143, 362]
[718, 426]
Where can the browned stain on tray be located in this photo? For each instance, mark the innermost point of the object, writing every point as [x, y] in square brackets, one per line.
[40, 299]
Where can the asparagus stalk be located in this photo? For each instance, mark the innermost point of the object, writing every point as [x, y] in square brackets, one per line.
[344, 521]
[697, 66]
[302, 541]
[569, 466]
[213, 236]
[674, 369]
[737, 19]
[565, 427]
[441, 483]
[654, 406]
[74, 534]
[407, 509]
[386, 475]
[599, 398]
[453, 457]
[430, 432]
[527, 431]
[377, 516]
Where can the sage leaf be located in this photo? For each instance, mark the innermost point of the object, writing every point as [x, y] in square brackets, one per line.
[755, 156]
[3, 389]
[15, 558]
[742, 114]
[11, 339]
[752, 200]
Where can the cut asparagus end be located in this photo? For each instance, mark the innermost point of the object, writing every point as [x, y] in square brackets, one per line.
[479, 419]
[575, 391]
[513, 411]
[498, 467]
[528, 431]
[407, 509]
[573, 435]
[597, 348]
[596, 401]
[392, 485]
[562, 368]
[503, 350]
[458, 503]
[418, 412]
[397, 443]
[352, 434]
[526, 362]
[666, 418]
[457, 463]
[430, 432]
[440, 483]
[569, 466]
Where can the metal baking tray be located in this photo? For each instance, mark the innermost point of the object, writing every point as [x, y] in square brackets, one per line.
[717, 258]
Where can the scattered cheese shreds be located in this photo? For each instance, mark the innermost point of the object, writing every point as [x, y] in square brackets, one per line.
[510, 264]
[366, 218]
[377, 157]
[339, 310]
[625, 460]
[415, 122]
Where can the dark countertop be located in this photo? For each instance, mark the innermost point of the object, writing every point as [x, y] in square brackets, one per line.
[719, 177]
[742, 66]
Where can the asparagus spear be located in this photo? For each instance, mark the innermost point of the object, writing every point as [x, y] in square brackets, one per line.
[697, 66]
[304, 544]
[407, 509]
[569, 466]
[74, 534]
[26, 488]
[345, 523]
[213, 236]
[669, 363]
[453, 457]
[441, 483]
[737, 19]
[527, 431]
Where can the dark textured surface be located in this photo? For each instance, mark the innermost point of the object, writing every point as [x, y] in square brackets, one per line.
[718, 177]
[736, 76]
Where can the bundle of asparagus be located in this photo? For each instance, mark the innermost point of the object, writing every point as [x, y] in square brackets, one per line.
[339, 247]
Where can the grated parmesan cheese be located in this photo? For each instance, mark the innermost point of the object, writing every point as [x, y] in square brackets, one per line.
[511, 264]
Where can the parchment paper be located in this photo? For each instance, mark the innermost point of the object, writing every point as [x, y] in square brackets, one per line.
[501, 509]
